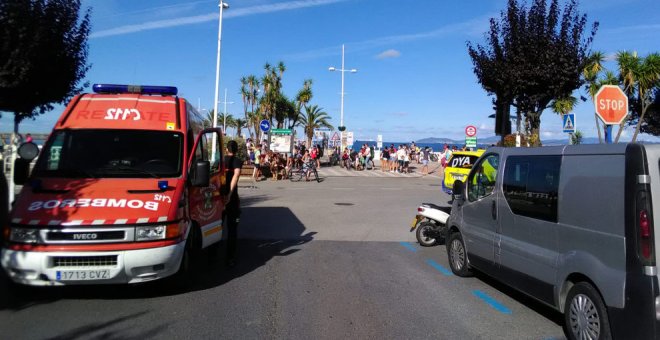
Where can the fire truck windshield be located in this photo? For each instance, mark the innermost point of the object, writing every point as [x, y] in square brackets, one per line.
[111, 153]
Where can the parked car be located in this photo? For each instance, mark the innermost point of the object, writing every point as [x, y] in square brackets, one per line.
[458, 167]
[570, 226]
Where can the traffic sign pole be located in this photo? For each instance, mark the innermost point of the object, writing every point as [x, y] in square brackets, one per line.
[608, 134]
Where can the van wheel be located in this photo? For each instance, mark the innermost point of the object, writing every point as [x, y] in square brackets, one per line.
[585, 316]
[425, 231]
[457, 256]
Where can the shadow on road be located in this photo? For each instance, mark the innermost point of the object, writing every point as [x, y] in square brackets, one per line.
[264, 233]
[111, 329]
[546, 311]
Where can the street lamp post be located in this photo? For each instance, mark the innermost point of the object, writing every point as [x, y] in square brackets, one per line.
[224, 117]
[222, 6]
[342, 70]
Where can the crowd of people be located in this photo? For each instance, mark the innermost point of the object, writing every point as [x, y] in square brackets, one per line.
[392, 159]
[278, 165]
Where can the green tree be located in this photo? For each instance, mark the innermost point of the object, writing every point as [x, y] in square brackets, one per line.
[303, 97]
[639, 77]
[532, 57]
[43, 55]
[208, 120]
[576, 138]
[238, 125]
[250, 95]
[590, 73]
[562, 106]
[314, 118]
[225, 118]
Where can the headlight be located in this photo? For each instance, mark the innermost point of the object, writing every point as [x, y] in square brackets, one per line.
[150, 233]
[24, 235]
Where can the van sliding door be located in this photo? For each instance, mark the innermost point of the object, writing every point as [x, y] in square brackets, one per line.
[528, 220]
[480, 211]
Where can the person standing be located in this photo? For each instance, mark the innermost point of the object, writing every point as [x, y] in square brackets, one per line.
[425, 160]
[256, 174]
[232, 203]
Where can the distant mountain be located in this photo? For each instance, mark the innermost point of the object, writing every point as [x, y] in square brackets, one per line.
[496, 139]
[435, 140]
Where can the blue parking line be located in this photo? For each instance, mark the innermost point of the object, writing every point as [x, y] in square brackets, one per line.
[408, 246]
[492, 302]
[440, 268]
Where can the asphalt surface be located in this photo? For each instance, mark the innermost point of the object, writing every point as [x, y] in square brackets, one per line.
[327, 260]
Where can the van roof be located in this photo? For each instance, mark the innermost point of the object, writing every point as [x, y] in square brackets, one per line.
[121, 111]
[584, 149]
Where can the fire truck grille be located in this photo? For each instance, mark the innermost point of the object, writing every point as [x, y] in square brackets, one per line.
[85, 261]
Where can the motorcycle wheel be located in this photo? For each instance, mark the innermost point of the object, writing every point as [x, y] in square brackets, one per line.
[423, 229]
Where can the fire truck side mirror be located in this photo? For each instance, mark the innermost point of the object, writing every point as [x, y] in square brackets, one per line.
[28, 151]
[200, 174]
[21, 170]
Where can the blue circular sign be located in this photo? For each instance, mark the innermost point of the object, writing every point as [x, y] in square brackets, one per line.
[264, 125]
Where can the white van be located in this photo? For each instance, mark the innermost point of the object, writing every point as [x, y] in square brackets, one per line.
[571, 226]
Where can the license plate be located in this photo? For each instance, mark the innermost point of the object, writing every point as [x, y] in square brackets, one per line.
[82, 275]
[458, 177]
[414, 222]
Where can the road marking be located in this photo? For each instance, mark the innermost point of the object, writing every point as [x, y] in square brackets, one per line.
[408, 246]
[492, 302]
[440, 268]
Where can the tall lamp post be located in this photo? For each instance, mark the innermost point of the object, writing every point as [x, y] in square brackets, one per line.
[224, 116]
[342, 70]
[222, 6]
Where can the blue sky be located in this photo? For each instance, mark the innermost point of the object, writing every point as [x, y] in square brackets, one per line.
[414, 77]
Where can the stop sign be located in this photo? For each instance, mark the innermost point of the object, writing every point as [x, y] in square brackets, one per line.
[611, 104]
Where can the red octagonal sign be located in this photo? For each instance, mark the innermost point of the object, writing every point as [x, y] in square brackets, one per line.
[611, 104]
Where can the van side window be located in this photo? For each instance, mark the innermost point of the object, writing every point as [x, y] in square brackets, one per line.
[531, 185]
[481, 182]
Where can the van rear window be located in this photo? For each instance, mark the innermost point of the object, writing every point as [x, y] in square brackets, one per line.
[91, 153]
[462, 161]
[531, 185]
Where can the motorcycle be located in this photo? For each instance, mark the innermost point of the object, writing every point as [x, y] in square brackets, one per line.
[430, 223]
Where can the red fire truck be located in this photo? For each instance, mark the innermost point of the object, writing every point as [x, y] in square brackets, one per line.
[126, 190]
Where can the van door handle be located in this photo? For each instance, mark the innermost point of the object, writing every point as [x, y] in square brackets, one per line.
[493, 210]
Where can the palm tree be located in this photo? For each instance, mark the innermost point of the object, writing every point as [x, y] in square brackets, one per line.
[590, 73]
[281, 68]
[303, 97]
[253, 98]
[225, 119]
[639, 77]
[245, 95]
[208, 122]
[576, 138]
[562, 106]
[314, 118]
[239, 124]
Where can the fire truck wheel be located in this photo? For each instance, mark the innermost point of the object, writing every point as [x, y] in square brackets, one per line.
[184, 276]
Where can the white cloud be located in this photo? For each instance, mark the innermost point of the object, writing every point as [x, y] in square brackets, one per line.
[391, 53]
[197, 19]
[469, 27]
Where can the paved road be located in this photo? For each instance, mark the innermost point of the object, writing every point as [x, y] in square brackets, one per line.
[328, 260]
